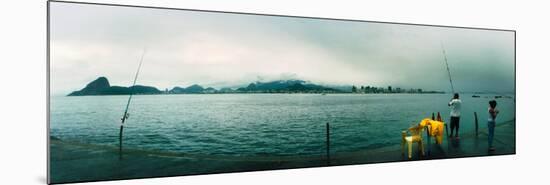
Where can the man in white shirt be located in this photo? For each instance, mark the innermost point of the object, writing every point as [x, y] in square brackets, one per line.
[455, 105]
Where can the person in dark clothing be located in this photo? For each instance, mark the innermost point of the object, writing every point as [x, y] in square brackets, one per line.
[491, 122]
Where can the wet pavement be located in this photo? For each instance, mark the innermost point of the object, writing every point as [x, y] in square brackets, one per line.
[77, 162]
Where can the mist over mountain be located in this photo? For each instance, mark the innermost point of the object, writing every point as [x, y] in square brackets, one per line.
[101, 86]
[286, 86]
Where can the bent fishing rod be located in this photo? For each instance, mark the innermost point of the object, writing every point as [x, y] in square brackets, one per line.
[126, 115]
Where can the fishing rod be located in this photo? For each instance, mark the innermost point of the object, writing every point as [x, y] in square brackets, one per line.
[126, 115]
[447, 65]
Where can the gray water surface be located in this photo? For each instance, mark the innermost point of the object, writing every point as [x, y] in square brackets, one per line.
[256, 124]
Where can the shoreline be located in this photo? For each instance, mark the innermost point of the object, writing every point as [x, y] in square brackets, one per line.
[320, 93]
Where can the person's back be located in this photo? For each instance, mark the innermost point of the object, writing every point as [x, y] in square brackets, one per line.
[455, 105]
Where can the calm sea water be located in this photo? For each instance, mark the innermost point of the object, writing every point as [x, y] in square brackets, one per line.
[256, 124]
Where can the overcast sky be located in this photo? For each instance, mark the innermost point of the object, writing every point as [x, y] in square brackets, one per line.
[228, 50]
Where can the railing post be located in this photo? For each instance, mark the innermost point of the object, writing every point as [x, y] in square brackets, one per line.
[120, 142]
[328, 143]
[475, 118]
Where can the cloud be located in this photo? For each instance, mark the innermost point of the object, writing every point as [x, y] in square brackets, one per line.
[221, 50]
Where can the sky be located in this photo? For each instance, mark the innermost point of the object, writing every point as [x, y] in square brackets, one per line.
[183, 48]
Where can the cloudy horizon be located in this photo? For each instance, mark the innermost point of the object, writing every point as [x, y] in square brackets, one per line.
[228, 50]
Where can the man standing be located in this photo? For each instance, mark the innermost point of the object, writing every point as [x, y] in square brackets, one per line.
[455, 105]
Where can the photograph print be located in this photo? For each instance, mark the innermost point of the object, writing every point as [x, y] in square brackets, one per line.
[138, 92]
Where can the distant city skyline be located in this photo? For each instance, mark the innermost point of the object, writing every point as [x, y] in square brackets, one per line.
[230, 50]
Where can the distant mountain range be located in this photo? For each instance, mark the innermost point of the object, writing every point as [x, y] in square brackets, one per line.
[284, 86]
[101, 86]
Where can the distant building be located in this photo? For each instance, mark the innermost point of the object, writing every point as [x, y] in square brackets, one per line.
[388, 89]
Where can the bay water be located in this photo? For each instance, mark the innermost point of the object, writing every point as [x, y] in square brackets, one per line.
[257, 124]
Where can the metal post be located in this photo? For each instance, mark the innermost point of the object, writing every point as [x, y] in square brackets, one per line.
[475, 116]
[120, 142]
[328, 143]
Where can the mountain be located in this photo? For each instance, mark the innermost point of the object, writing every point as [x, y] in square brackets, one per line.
[95, 87]
[193, 89]
[226, 90]
[283, 86]
[101, 86]
[210, 90]
[176, 90]
[137, 89]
